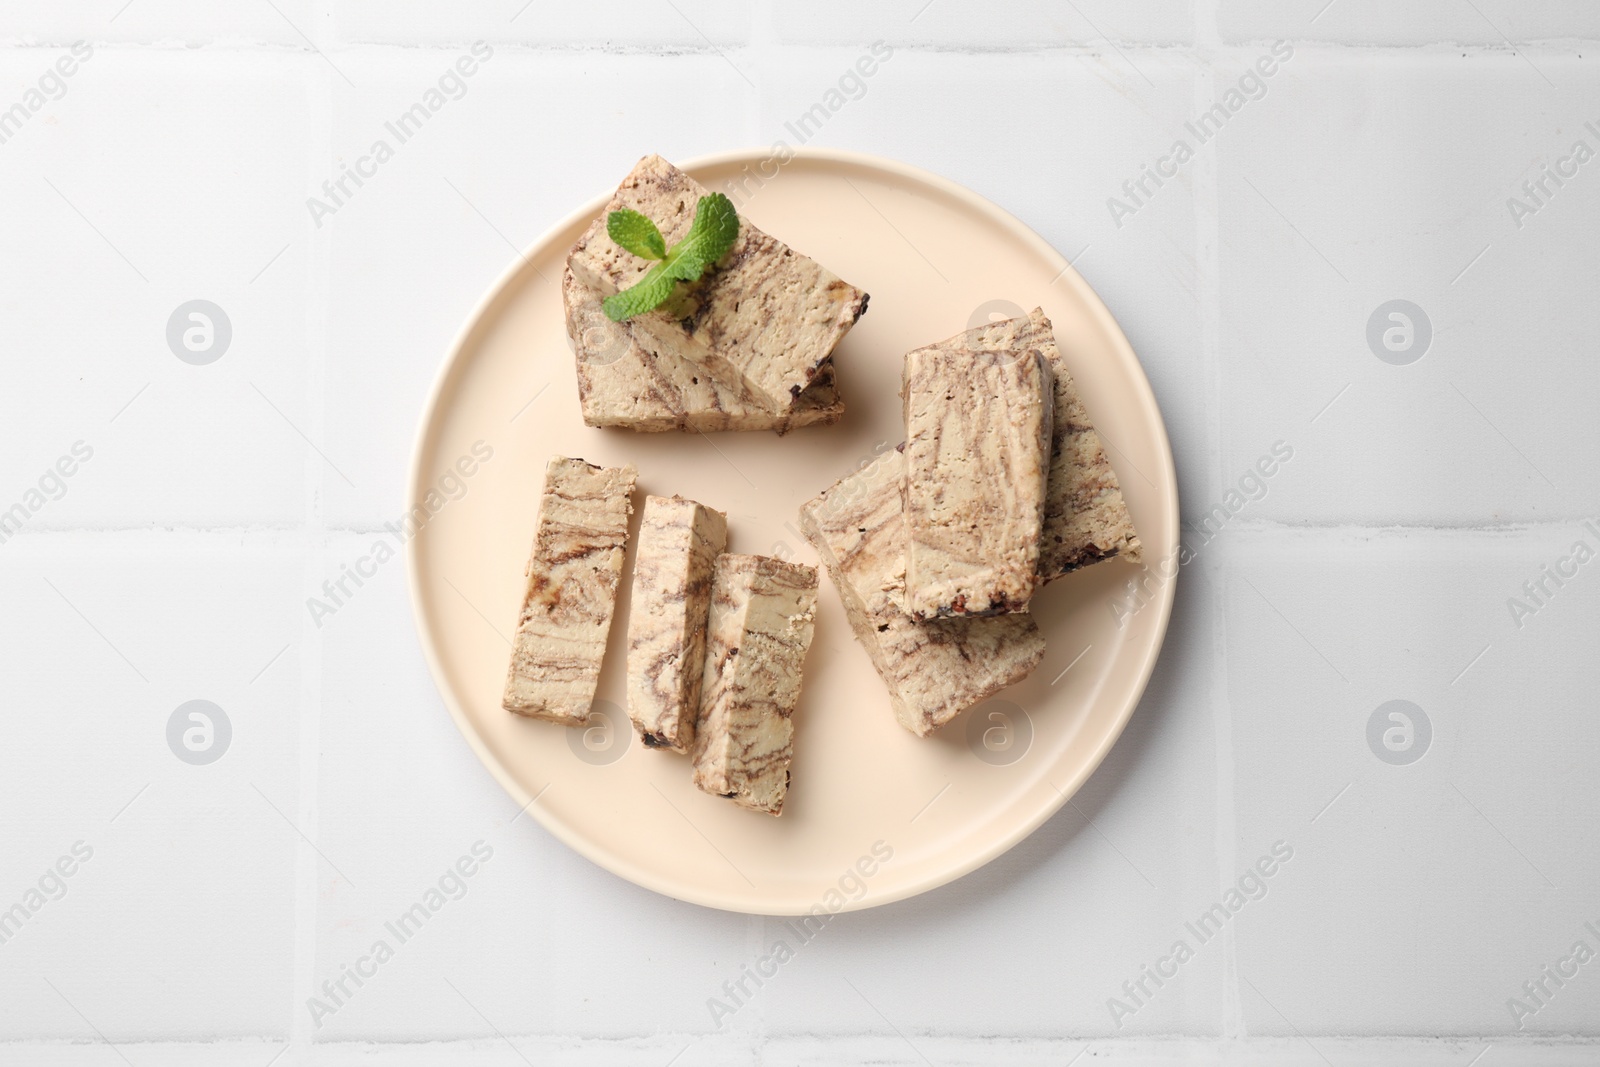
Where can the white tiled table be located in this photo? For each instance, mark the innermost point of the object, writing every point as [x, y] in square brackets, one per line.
[1374, 164]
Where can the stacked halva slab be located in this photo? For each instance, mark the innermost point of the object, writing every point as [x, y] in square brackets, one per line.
[747, 347]
[937, 548]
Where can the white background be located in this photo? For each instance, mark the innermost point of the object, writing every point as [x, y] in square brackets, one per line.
[1376, 166]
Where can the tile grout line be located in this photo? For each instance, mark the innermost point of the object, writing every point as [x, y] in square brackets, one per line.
[319, 90]
[1199, 51]
[1208, 280]
[1116, 1050]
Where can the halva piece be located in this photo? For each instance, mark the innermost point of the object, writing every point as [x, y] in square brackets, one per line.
[572, 590]
[764, 318]
[977, 458]
[934, 670]
[1085, 517]
[761, 624]
[679, 541]
[621, 385]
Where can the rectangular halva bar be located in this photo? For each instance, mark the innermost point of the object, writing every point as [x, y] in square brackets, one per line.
[572, 573]
[977, 455]
[762, 612]
[1085, 518]
[679, 541]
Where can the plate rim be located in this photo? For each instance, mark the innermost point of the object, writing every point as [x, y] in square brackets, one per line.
[622, 866]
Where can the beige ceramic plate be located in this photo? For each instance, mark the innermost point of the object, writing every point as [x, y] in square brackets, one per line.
[933, 255]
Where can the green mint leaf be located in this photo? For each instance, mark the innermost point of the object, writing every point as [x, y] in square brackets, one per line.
[646, 294]
[636, 233]
[711, 234]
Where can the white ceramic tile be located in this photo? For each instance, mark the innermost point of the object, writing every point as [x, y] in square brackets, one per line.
[1451, 870]
[135, 194]
[1484, 22]
[189, 876]
[167, 23]
[687, 24]
[962, 25]
[1413, 161]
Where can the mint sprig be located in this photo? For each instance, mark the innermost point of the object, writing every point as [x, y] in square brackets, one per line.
[712, 233]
